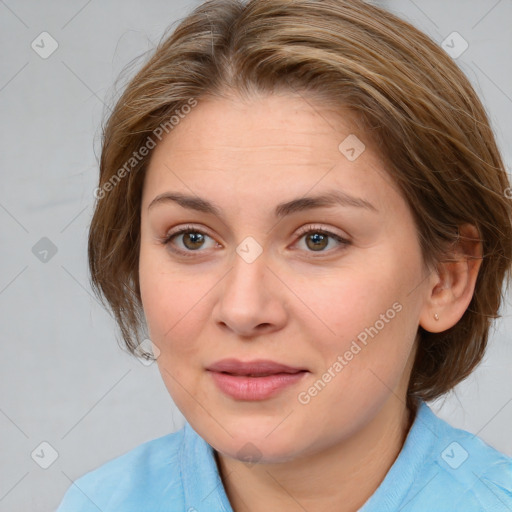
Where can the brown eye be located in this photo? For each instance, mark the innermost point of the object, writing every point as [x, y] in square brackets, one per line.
[193, 240]
[317, 241]
[188, 240]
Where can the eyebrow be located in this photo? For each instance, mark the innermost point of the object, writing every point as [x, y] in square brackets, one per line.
[327, 199]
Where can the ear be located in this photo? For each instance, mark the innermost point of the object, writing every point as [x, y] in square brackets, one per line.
[451, 287]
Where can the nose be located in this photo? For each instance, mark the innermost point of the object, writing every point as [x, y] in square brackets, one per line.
[252, 299]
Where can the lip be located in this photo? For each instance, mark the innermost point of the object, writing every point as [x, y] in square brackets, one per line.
[254, 367]
[254, 380]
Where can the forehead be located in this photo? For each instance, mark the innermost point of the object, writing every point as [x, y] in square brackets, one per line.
[264, 147]
[289, 123]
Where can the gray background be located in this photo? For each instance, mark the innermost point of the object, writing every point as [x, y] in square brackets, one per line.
[64, 379]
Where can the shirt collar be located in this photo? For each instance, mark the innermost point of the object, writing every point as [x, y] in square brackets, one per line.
[202, 485]
[411, 461]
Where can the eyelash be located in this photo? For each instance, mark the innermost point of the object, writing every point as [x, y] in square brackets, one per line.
[166, 240]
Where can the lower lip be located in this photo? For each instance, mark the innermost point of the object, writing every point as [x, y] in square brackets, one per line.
[255, 388]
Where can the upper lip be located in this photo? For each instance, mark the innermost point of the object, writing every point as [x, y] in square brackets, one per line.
[255, 367]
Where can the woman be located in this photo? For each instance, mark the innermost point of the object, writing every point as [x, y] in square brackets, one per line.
[304, 207]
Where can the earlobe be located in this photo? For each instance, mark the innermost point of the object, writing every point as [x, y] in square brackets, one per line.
[451, 291]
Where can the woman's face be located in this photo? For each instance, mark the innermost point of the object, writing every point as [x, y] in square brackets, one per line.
[331, 288]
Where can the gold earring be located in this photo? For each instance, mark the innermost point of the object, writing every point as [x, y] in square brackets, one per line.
[436, 316]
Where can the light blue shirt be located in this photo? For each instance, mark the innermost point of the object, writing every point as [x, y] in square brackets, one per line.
[439, 469]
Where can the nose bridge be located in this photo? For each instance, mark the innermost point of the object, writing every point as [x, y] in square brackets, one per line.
[248, 299]
[247, 279]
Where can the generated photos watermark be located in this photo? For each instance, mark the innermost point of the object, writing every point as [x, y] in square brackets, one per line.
[143, 151]
[304, 397]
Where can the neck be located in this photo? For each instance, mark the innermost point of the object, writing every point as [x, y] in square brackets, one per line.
[340, 478]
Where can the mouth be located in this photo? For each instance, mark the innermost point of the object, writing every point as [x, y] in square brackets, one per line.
[255, 368]
[257, 375]
[254, 380]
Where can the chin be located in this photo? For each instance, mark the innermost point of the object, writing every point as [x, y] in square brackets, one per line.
[257, 452]
[264, 441]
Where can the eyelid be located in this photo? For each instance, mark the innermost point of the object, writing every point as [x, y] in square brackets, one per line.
[187, 227]
[301, 231]
[323, 229]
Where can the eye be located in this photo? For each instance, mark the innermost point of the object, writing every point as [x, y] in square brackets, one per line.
[192, 240]
[317, 238]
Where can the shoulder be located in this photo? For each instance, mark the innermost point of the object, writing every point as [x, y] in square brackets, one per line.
[462, 472]
[137, 480]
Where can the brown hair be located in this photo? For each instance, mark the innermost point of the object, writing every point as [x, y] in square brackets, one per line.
[415, 104]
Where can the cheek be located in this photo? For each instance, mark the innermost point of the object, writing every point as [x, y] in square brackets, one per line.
[175, 305]
[173, 310]
[344, 307]
[364, 331]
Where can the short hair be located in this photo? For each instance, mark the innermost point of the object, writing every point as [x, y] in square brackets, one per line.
[410, 99]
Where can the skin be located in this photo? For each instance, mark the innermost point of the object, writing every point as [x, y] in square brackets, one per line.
[292, 304]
